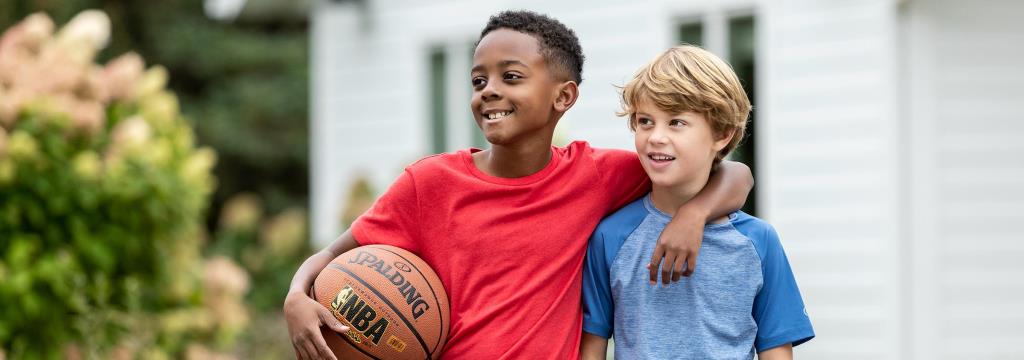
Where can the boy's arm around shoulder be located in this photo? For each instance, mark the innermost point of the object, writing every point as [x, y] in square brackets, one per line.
[679, 243]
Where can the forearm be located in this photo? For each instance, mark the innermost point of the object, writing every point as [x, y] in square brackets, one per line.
[593, 347]
[310, 268]
[784, 352]
[725, 192]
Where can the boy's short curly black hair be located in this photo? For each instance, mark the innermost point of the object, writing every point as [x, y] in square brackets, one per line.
[558, 43]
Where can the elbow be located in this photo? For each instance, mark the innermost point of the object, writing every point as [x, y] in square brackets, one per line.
[741, 172]
[748, 176]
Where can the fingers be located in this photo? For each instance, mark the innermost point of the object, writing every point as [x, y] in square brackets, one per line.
[300, 352]
[677, 270]
[666, 268]
[652, 267]
[691, 264]
[322, 349]
[328, 319]
[308, 351]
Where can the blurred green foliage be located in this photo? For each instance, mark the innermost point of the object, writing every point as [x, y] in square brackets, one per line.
[243, 89]
[243, 86]
[102, 195]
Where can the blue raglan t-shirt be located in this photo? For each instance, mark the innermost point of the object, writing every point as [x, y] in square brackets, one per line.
[741, 299]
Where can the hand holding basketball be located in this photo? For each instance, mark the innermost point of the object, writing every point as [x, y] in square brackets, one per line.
[305, 317]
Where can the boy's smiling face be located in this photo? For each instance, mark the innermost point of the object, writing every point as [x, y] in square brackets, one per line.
[676, 149]
[514, 91]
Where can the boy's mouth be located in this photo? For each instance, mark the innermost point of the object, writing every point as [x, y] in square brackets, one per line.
[497, 115]
[660, 158]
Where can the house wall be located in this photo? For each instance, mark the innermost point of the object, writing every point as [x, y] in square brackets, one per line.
[888, 143]
[965, 169]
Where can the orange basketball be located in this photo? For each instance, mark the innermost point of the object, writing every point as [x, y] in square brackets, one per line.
[392, 302]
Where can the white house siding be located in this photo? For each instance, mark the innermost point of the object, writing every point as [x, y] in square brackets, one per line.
[968, 168]
[829, 170]
[889, 143]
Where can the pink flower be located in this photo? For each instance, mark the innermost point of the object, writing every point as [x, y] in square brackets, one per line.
[85, 35]
[87, 116]
[54, 71]
[122, 76]
[223, 276]
[11, 104]
[38, 29]
[95, 86]
[28, 35]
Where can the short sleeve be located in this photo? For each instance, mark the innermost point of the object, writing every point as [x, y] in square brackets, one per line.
[598, 309]
[392, 220]
[622, 176]
[778, 308]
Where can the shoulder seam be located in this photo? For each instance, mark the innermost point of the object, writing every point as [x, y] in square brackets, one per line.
[628, 234]
[423, 159]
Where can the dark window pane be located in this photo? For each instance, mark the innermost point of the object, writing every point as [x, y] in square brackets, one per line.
[438, 101]
[479, 141]
[692, 33]
[741, 56]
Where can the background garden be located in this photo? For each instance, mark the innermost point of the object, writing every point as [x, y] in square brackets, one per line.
[153, 179]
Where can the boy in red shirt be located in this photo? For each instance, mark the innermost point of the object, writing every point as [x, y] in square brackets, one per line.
[506, 228]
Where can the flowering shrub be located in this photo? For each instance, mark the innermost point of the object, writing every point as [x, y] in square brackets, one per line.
[269, 247]
[102, 192]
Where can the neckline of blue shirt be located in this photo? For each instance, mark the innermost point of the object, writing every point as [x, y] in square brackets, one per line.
[664, 218]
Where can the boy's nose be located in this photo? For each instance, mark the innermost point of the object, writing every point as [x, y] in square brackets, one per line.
[657, 136]
[489, 92]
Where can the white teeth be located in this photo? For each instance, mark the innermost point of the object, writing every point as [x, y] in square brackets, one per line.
[497, 115]
[661, 157]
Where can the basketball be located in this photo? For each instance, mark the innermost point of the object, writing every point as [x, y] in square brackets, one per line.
[392, 302]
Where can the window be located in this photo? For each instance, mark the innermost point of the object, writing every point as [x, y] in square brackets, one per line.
[692, 33]
[438, 93]
[739, 49]
[741, 56]
[479, 141]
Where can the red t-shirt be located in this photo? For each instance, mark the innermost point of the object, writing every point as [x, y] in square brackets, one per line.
[508, 250]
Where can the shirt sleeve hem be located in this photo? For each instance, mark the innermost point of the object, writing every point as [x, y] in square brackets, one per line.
[359, 234]
[796, 337]
[598, 330]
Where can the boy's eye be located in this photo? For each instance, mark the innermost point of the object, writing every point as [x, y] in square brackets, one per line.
[479, 81]
[676, 122]
[644, 121]
[512, 76]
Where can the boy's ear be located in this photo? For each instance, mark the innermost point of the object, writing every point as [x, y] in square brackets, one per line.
[566, 96]
[724, 140]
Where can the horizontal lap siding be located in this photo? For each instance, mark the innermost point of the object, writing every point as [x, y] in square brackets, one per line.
[974, 56]
[830, 176]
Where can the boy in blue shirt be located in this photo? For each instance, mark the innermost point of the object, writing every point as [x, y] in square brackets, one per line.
[688, 110]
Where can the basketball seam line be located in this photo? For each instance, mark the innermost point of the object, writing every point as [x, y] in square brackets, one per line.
[439, 313]
[386, 302]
